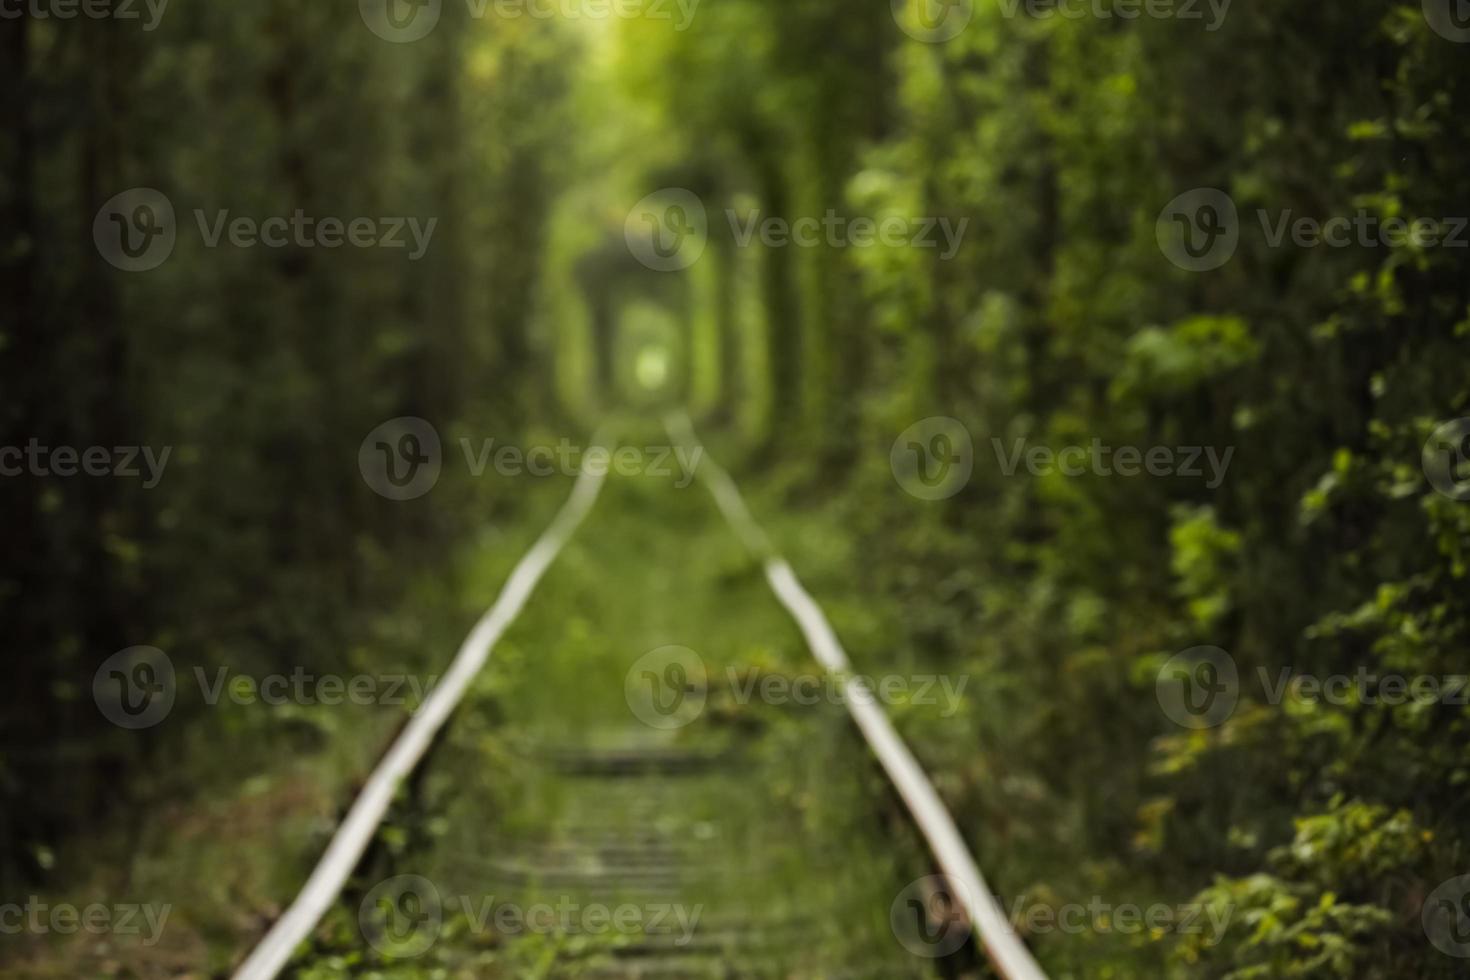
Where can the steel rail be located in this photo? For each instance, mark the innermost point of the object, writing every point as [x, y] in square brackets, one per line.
[1007, 953]
[351, 839]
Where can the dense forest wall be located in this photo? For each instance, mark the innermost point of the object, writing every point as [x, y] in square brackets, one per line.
[251, 371]
[1315, 373]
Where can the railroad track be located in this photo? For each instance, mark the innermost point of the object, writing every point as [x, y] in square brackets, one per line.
[673, 827]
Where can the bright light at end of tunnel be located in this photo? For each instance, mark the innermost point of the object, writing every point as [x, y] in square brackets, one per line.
[653, 367]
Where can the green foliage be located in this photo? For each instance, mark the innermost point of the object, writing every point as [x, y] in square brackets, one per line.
[261, 369]
[1204, 555]
[1322, 550]
[1283, 931]
[1326, 911]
